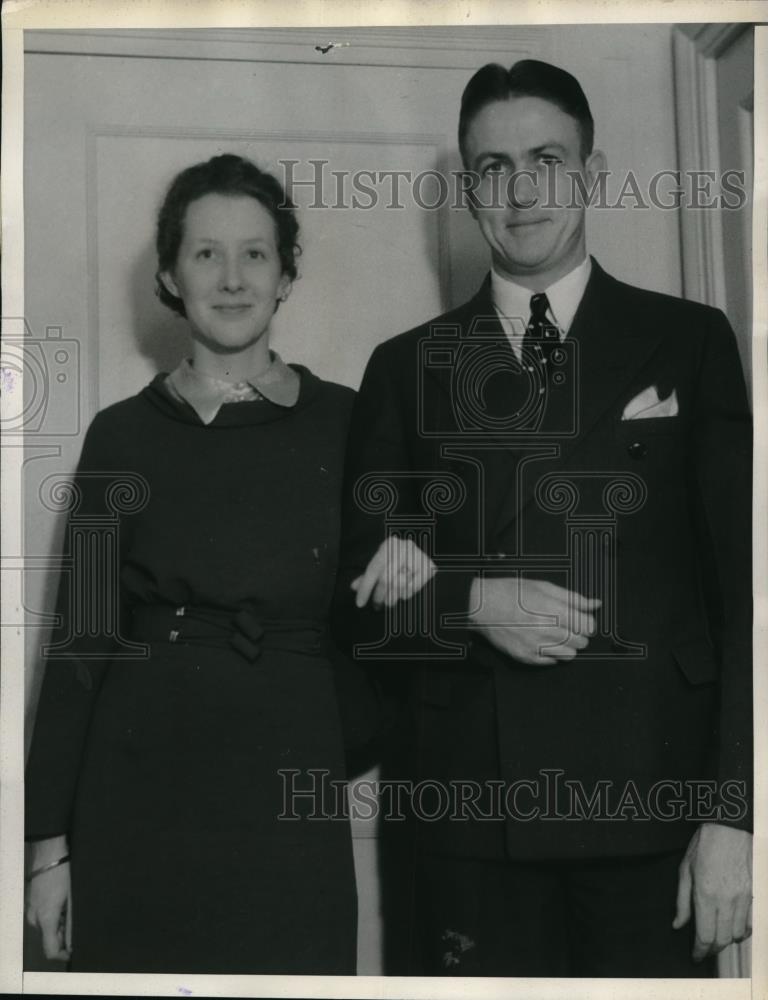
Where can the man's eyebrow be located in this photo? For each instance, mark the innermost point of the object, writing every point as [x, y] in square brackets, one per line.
[490, 155]
[549, 145]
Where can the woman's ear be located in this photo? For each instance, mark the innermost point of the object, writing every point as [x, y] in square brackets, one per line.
[284, 288]
[170, 285]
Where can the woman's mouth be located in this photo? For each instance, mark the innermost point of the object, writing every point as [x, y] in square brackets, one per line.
[233, 310]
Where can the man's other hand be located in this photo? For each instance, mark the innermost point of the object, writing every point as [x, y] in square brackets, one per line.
[716, 883]
[533, 621]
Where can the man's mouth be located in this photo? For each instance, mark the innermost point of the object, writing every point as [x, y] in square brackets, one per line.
[526, 224]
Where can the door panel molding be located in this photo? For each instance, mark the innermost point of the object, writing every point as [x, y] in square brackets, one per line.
[696, 48]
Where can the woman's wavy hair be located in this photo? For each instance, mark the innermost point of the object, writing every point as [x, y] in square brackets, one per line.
[226, 175]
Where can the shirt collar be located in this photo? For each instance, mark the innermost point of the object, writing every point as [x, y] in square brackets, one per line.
[206, 393]
[513, 300]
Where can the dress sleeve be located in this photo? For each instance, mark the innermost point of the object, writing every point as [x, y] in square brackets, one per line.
[77, 654]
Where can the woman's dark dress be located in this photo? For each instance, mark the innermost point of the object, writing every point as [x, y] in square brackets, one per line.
[168, 772]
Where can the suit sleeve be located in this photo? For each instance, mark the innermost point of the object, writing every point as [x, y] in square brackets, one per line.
[723, 463]
[381, 481]
[72, 675]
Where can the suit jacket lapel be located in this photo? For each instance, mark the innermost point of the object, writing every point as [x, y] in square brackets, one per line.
[610, 350]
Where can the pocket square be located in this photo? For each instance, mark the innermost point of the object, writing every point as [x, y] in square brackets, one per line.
[647, 404]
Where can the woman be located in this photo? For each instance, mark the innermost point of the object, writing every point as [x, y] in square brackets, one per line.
[165, 835]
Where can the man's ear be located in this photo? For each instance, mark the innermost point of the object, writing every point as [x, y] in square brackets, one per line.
[170, 285]
[595, 164]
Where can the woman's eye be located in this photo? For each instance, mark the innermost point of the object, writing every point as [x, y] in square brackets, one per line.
[205, 254]
[548, 158]
[255, 254]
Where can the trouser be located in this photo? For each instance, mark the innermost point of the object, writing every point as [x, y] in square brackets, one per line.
[609, 917]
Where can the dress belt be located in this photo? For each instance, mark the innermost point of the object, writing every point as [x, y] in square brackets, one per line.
[243, 631]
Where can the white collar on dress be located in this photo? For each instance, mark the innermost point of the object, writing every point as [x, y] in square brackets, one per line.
[206, 393]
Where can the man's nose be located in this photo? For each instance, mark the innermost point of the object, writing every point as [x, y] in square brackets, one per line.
[522, 189]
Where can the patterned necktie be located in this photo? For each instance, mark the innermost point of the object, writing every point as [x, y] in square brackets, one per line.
[540, 337]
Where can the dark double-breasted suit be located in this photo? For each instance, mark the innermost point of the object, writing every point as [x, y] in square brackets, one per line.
[648, 731]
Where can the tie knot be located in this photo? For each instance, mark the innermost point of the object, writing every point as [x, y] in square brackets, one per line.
[539, 306]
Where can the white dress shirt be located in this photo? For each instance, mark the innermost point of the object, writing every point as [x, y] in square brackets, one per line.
[512, 302]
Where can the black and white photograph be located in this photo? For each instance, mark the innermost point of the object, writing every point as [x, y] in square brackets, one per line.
[383, 434]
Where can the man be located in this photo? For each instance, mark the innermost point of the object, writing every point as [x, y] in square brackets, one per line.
[573, 453]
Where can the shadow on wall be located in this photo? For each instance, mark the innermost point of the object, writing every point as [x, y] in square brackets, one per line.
[464, 253]
[160, 334]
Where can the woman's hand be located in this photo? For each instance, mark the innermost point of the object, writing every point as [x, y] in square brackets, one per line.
[49, 899]
[398, 570]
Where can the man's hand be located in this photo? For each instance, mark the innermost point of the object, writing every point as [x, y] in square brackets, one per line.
[531, 620]
[397, 571]
[716, 873]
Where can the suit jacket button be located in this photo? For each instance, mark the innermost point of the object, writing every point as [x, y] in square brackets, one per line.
[637, 449]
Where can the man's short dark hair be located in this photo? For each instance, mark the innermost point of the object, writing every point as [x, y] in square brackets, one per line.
[527, 78]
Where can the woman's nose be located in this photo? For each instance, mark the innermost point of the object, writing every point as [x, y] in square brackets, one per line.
[231, 278]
